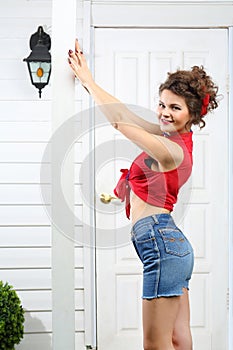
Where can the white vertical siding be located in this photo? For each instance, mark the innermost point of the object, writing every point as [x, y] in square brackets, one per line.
[25, 128]
[25, 239]
[81, 321]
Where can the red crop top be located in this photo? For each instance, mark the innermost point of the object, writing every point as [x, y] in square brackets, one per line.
[156, 188]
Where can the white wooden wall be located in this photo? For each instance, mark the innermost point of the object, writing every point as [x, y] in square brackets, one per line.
[25, 128]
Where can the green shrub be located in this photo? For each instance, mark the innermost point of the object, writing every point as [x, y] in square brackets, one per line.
[11, 317]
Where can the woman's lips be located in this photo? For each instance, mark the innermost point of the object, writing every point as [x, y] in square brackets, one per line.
[166, 121]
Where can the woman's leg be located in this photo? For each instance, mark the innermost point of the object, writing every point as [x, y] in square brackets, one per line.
[159, 317]
[182, 338]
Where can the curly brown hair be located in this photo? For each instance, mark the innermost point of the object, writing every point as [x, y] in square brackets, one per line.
[193, 85]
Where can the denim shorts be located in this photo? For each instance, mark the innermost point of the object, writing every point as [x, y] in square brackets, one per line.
[166, 254]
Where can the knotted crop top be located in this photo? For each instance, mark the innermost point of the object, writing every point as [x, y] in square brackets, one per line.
[154, 187]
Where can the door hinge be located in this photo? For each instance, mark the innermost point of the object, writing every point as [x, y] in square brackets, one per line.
[90, 347]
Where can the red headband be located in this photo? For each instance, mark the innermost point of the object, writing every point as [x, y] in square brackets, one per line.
[205, 104]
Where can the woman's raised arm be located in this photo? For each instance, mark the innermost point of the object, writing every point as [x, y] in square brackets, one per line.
[143, 133]
[114, 109]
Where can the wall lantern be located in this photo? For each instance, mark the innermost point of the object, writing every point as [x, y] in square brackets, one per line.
[39, 60]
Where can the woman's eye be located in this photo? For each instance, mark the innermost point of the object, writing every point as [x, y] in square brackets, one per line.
[176, 108]
[161, 105]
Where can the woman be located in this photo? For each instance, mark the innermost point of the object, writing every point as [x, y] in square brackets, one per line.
[154, 179]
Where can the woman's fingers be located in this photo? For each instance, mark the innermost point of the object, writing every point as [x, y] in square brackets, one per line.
[77, 47]
[81, 58]
[72, 54]
[78, 64]
[73, 63]
[75, 58]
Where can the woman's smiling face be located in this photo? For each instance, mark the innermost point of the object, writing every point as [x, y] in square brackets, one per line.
[173, 113]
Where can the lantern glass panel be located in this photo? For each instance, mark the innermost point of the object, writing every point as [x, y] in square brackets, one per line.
[35, 78]
[34, 66]
[44, 78]
[45, 66]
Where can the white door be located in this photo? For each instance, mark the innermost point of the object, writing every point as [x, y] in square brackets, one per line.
[130, 63]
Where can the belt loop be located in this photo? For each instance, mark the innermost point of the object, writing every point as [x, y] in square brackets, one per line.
[155, 218]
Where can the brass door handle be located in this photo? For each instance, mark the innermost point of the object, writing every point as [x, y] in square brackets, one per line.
[106, 198]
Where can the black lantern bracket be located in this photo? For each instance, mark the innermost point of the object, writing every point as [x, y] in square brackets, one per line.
[39, 60]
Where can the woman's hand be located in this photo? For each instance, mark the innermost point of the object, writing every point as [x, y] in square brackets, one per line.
[79, 66]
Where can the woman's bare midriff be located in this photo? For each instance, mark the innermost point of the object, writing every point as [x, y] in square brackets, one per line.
[141, 209]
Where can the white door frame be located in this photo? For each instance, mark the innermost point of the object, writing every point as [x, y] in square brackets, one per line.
[157, 15]
[230, 186]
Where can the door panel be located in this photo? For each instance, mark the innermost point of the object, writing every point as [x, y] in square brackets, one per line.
[130, 64]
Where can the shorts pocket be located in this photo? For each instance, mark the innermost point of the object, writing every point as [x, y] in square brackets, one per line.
[175, 242]
[143, 238]
[143, 234]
